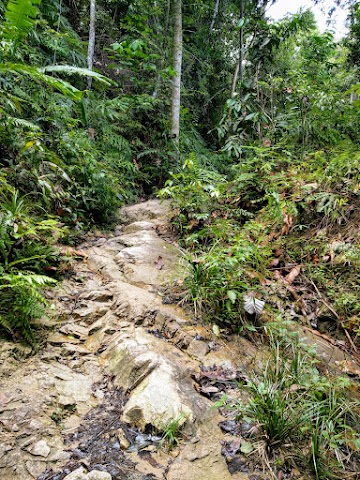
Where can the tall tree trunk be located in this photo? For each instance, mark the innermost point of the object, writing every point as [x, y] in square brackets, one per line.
[241, 55]
[91, 47]
[239, 69]
[175, 96]
[216, 10]
[164, 48]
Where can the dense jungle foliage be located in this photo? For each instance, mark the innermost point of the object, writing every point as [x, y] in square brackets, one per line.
[264, 177]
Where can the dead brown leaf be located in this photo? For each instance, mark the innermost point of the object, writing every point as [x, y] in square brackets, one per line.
[274, 263]
[288, 222]
[192, 224]
[315, 259]
[159, 263]
[290, 277]
[210, 389]
[72, 252]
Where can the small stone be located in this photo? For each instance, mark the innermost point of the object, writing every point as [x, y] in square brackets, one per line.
[97, 475]
[198, 349]
[174, 452]
[123, 441]
[65, 401]
[79, 474]
[99, 394]
[75, 330]
[59, 456]
[40, 449]
[24, 440]
[35, 468]
[71, 423]
[60, 338]
[151, 448]
[35, 424]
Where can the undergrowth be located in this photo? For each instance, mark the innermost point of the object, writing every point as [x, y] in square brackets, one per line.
[278, 228]
[299, 414]
[27, 257]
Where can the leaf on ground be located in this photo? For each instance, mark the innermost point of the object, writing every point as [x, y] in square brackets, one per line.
[288, 222]
[72, 252]
[253, 305]
[159, 263]
[216, 330]
[231, 295]
[294, 272]
[246, 448]
[274, 263]
[209, 389]
[349, 367]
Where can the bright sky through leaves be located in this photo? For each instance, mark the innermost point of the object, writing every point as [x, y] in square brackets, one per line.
[338, 19]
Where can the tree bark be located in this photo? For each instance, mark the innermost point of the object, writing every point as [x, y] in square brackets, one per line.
[177, 64]
[241, 55]
[91, 46]
[216, 11]
[239, 71]
[164, 48]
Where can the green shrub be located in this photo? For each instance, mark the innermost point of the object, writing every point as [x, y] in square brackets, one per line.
[25, 251]
[293, 405]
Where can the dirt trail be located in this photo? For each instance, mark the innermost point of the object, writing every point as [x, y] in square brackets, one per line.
[119, 361]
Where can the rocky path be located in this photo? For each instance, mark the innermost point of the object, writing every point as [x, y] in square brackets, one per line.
[120, 365]
[117, 356]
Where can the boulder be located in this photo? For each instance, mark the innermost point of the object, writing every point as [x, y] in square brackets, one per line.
[158, 377]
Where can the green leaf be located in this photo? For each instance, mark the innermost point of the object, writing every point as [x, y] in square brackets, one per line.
[70, 70]
[241, 23]
[20, 16]
[38, 74]
[216, 330]
[232, 295]
[246, 448]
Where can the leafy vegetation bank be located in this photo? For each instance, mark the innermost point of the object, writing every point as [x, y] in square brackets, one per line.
[250, 126]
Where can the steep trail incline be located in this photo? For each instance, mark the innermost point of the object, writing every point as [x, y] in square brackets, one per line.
[117, 360]
[115, 354]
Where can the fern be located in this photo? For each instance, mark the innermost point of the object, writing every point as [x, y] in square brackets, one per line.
[39, 74]
[71, 70]
[20, 16]
[21, 290]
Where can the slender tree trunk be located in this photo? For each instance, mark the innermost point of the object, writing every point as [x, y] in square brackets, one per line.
[241, 55]
[164, 49]
[239, 69]
[91, 47]
[234, 80]
[175, 96]
[216, 11]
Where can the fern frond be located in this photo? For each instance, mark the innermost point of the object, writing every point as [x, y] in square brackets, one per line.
[71, 70]
[25, 260]
[5, 324]
[21, 301]
[20, 122]
[20, 279]
[20, 16]
[37, 74]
